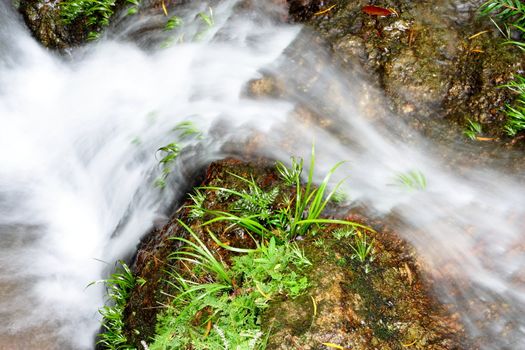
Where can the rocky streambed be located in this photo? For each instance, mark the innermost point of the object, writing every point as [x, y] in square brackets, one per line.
[436, 66]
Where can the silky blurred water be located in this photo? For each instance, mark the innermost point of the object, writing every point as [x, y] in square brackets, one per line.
[78, 141]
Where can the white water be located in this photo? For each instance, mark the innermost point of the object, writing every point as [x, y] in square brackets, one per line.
[77, 154]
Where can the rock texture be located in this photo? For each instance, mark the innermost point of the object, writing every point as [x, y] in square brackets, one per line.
[44, 20]
[383, 304]
[433, 59]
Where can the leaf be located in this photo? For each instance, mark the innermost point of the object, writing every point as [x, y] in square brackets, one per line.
[377, 11]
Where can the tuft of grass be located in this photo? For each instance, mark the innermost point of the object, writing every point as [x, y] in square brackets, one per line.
[207, 18]
[290, 175]
[412, 180]
[516, 112]
[95, 13]
[172, 23]
[506, 10]
[472, 130]
[343, 233]
[512, 14]
[363, 250]
[214, 312]
[198, 253]
[197, 208]
[170, 152]
[118, 289]
[296, 217]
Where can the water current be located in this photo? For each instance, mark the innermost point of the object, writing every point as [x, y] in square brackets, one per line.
[78, 138]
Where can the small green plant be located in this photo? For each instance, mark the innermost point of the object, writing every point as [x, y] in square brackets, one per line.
[516, 112]
[134, 8]
[291, 175]
[511, 13]
[118, 287]
[472, 130]
[199, 254]
[319, 243]
[207, 18]
[197, 209]
[412, 180]
[96, 13]
[343, 233]
[296, 218]
[363, 249]
[218, 306]
[171, 151]
[172, 23]
[506, 10]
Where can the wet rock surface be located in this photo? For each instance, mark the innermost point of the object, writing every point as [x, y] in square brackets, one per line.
[426, 56]
[382, 303]
[44, 20]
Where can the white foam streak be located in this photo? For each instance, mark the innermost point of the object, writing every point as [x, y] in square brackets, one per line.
[77, 148]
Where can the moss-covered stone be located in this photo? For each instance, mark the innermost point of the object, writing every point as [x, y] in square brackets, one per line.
[44, 20]
[381, 304]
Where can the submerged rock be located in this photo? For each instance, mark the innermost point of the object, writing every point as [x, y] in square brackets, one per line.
[380, 302]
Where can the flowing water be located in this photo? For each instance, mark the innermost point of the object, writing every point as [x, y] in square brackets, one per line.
[78, 141]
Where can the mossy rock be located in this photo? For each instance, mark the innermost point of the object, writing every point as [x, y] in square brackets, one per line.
[381, 304]
[44, 20]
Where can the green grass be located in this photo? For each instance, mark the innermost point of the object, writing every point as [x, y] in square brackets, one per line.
[219, 306]
[343, 233]
[295, 217]
[218, 292]
[95, 13]
[516, 111]
[118, 289]
[511, 14]
[362, 248]
[169, 153]
[197, 208]
[411, 180]
[472, 130]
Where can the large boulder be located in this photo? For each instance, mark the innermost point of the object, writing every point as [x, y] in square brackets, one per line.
[384, 303]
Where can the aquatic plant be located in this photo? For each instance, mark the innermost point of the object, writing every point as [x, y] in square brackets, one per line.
[362, 248]
[512, 14]
[516, 112]
[170, 152]
[95, 13]
[218, 306]
[472, 130]
[297, 215]
[118, 287]
[412, 180]
[172, 23]
[197, 208]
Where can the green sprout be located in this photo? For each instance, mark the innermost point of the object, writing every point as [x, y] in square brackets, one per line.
[472, 130]
[363, 249]
[516, 113]
[118, 286]
[412, 180]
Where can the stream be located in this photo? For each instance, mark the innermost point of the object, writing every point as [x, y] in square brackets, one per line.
[79, 136]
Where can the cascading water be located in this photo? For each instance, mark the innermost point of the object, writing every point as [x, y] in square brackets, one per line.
[78, 139]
